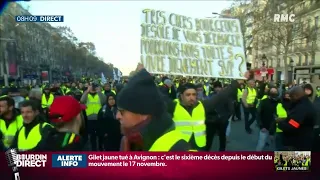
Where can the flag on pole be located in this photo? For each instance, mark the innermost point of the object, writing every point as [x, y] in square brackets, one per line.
[103, 79]
[114, 75]
[119, 74]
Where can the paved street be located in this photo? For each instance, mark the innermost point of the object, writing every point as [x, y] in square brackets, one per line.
[239, 140]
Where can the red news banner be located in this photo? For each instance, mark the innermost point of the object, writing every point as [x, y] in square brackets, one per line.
[124, 165]
[158, 160]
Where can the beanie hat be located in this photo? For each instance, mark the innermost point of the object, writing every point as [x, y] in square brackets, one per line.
[187, 86]
[309, 87]
[141, 95]
[217, 84]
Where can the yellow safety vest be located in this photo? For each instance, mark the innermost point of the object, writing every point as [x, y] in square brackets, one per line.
[206, 89]
[113, 91]
[306, 163]
[93, 104]
[67, 91]
[166, 141]
[10, 132]
[281, 113]
[47, 103]
[27, 98]
[240, 92]
[252, 94]
[263, 97]
[177, 85]
[3, 96]
[190, 125]
[34, 137]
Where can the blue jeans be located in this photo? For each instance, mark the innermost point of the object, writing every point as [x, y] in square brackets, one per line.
[247, 120]
[262, 140]
[228, 131]
[279, 142]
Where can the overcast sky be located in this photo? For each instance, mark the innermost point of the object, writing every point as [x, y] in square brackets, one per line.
[114, 26]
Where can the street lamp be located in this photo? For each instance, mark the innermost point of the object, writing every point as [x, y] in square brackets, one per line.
[264, 59]
[263, 69]
[291, 64]
[292, 69]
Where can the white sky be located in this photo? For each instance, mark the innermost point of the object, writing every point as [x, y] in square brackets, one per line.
[114, 26]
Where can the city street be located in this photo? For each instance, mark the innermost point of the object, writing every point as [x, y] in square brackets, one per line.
[239, 140]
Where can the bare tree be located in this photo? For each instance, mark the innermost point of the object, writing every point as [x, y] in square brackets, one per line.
[242, 10]
[41, 43]
[282, 36]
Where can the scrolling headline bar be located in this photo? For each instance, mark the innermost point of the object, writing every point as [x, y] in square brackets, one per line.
[84, 160]
[43, 18]
[168, 165]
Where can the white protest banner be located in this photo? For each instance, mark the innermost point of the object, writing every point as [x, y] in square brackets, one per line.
[179, 45]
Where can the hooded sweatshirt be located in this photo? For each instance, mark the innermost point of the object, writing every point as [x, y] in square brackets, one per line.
[316, 103]
[313, 89]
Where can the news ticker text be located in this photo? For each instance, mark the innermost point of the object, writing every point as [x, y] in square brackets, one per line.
[42, 18]
[135, 160]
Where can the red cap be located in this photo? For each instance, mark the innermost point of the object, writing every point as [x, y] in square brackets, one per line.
[64, 109]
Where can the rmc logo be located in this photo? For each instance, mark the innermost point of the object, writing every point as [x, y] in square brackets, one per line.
[284, 17]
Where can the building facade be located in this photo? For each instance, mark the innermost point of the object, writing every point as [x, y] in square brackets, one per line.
[303, 55]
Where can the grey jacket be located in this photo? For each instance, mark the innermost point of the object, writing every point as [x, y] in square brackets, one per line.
[84, 99]
[225, 109]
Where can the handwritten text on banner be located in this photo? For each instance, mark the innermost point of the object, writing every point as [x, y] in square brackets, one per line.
[180, 45]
